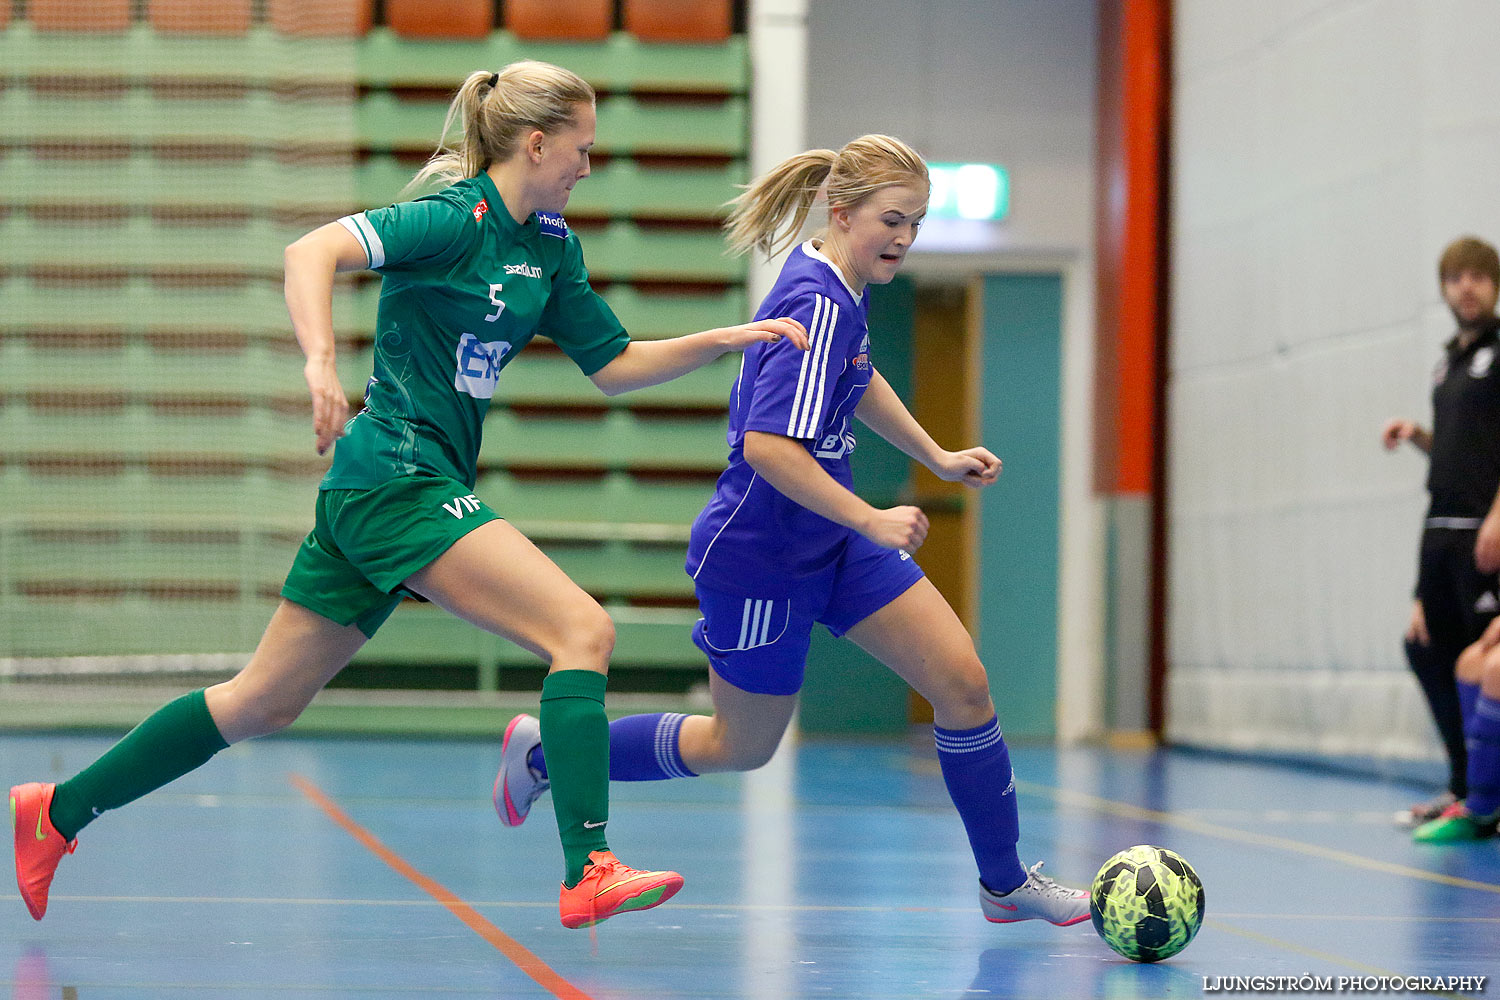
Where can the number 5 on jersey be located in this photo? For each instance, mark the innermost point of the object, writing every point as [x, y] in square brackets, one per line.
[495, 301]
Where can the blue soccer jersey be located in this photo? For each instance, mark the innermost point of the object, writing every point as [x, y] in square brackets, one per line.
[751, 539]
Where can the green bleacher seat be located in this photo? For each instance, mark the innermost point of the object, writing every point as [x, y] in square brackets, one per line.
[87, 626]
[627, 124]
[626, 251]
[259, 182]
[138, 243]
[138, 303]
[624, 188]
[140, 54]
[618, 189]
[421, 633]
[130, 493]
[617, 439]
[650, 315]
[614, 504]
[211, 561]
[138, 432]
[620, 63]
[253, 374]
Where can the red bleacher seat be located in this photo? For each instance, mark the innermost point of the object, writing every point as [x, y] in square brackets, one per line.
[199, 17]
[79, 15]
[698, 21]
[440, 18]
[321, 18]
[572, 20]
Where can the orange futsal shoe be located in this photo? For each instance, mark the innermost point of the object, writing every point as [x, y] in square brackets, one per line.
[38, 846]
[609, 886]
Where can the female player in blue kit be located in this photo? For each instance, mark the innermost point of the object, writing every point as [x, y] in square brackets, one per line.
[786, 543]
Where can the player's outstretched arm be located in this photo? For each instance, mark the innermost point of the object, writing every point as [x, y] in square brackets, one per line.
[881, 410]
[786, 465]
[310, 265]
[651, 362]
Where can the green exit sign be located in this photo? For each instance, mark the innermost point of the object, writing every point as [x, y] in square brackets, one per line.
[968, 191]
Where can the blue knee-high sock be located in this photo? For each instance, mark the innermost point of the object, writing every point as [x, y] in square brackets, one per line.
[976, 769]
[641, 748]
[1468, 697]
[1484, 757]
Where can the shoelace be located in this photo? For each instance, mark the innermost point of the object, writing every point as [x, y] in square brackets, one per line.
[1044, 886]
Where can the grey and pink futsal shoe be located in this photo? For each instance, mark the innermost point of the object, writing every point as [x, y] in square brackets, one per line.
[517, 786]
[1038, 898]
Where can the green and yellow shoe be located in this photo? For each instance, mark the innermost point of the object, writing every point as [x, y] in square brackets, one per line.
[1456, 825]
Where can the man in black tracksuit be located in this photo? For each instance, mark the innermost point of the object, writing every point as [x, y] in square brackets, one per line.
[1456, 593]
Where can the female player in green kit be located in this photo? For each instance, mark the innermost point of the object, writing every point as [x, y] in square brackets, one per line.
[470, 275]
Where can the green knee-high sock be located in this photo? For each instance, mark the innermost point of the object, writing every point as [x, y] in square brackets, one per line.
[177, 738]
[575, 732]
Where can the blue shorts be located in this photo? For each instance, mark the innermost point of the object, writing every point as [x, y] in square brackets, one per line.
[759, 644]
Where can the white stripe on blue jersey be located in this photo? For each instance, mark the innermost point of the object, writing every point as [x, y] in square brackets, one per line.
[813, 330]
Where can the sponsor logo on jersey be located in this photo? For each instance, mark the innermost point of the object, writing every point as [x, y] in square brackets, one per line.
[524, 270]
[552, 225]
[1479, 364]
[862, 359]
[463, 505]
[480, 209]
[479, 365]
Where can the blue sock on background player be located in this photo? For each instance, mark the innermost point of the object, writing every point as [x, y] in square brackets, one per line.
[641, 748]
[976, 763]
[1484, 757]
[1468, 697]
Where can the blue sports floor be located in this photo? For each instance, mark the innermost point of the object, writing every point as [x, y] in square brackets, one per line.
[374, 869]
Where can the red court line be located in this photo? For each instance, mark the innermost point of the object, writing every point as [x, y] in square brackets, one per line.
[524, 960]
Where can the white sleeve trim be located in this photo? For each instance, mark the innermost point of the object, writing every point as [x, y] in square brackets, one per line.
[359, 225]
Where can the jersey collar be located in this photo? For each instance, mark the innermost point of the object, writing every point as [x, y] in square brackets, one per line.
[498, 211]
[816, 254]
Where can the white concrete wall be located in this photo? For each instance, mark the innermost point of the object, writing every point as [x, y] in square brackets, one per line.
[1009, 82]
[1324, 153]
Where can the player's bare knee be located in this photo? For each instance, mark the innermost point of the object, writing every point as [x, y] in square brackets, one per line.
[586, 638]
[243, 712]
[963, 692]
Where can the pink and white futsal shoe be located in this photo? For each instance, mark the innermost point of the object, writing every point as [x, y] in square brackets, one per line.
[517, 785]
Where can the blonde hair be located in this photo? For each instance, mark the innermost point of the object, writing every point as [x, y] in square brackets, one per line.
[769, 215]
[496, 111]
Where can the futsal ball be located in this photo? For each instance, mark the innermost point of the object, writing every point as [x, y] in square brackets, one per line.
[1147, 903]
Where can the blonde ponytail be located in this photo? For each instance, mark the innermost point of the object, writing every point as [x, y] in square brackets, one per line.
[494, 111]
[769, 215]
[758, 219]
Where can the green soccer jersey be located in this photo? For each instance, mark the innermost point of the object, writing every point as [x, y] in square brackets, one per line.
[464, 288]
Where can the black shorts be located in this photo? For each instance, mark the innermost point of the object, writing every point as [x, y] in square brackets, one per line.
[1458, 601]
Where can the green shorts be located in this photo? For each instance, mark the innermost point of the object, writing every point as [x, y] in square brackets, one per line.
[366, 543]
